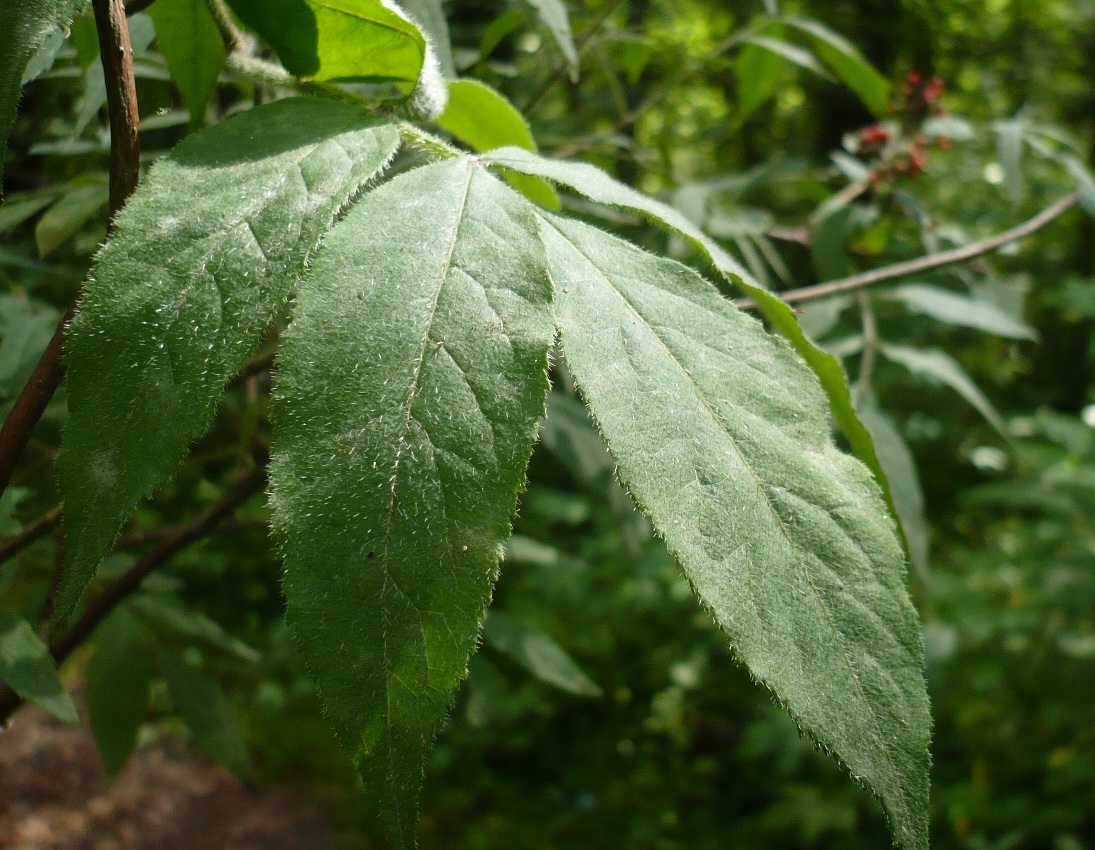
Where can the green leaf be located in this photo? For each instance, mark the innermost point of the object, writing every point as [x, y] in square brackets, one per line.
[538, 653]
[1009, 150]
[28, 668]
[117, 677]
[848, 63]
[27, 26]
[553, 15]
[722, 437]
[897, 460]
[483, 119]
[142, 32]
[172, 613]
[68, 215]
[191, 43]
[496, 31]
[430, 17]
[955, 309]
[207, 713]
[939, 366]
[791, 52]
[599, 187]
[410, 384]
[340, 40]
[757, 71]
[203, 258]
[1085, 182]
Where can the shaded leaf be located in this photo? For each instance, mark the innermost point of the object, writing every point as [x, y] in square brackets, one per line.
[553, 15]
[27, 26]
[757, 72]
[29, 670]
[1085, 182]
[202, 259]
[955, 309]
[345, 40]
[208, 714]
[941, 367]
[1009, 150]
[191, 43]
[897, 460]
[65, 218]
[722, 437]
[117, 677]
[538, 653]
[848, 63]
[410, 384]
[171, 613]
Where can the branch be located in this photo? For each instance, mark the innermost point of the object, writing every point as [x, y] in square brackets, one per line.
[925, 264]
[40, 528]
[99, 608]
[125, 153]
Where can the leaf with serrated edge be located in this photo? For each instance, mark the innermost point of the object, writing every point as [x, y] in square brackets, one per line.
[409, 387]
[598, 186]
[721, 434]
[202, 259]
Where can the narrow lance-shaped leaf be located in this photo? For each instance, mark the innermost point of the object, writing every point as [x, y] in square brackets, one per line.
[117, 678]
[598, 186]
[202, 259]
[192, 45]
[553, 15]
[28, 669]
[410, 384]
[956, 309]
[722, 437]
[27, 25]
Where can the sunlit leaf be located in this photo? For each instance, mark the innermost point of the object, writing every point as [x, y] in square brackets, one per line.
[191, 43]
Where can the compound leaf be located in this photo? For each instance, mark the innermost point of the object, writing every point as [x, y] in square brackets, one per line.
[721, 434]
[410, 384]
[598, 186]
[202, 259]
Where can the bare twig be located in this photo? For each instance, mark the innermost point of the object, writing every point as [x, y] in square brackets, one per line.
[99, 608]
[38, 529]
[925, 264]
[125, 153]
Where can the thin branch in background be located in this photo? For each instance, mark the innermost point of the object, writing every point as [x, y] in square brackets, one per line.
[928, 263]
[32, 533]
[580, 47]
[116, 53]
[154, 535]
[100, 607]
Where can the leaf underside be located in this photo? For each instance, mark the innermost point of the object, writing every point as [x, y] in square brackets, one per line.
[721, 435]
[202, 259]
[410, 384]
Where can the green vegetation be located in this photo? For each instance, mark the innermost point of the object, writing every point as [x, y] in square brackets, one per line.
[818, 276]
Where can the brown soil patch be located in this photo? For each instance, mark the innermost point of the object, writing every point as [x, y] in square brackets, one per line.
[54, 795]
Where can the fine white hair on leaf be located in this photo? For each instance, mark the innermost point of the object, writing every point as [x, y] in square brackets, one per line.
[431, 95]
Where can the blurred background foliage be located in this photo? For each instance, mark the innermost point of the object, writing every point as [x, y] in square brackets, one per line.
[605, 708]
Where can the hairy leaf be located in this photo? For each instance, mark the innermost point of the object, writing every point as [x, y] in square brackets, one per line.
[482, 119]
[430, 17]
[192, 45]
[27, 26]
[117, 677]
[409, 388]
[598, 186]
[202, 259]
[721, 434]
[346, 40]
[26, 665]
